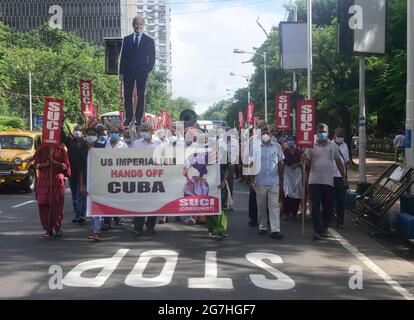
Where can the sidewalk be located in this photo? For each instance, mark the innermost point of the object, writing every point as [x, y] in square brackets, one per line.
[374, 169]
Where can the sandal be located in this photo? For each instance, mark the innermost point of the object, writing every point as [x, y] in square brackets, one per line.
[59, 233]
[47, 235]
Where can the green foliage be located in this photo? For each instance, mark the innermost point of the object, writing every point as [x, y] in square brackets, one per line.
[11, 122]
[335, 77]
[57, 61]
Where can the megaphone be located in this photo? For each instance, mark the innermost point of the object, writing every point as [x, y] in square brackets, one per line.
[189, 117]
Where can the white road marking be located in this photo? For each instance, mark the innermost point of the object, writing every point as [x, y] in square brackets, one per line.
[23, 204]
[370, 264]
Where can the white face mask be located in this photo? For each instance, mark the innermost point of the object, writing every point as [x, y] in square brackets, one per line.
[91, 139]
[265, 138]
[77, 134]
[339, 140]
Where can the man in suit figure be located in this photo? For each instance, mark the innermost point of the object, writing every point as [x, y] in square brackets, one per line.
[136, 62]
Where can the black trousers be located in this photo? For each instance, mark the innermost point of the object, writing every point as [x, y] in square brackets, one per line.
[252, 206]
[339, 199]
[140, 82]
[322, 199]
[140, 221]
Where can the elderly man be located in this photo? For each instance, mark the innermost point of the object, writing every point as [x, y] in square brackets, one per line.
[321, 180]
[269, 166]
[137, 61]
[145, 142]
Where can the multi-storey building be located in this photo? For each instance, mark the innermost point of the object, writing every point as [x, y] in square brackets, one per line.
[91, 20]
[157, 15]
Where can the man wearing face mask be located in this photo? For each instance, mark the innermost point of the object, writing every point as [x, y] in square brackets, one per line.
[268, 161]
[338, 181]
[73, 144]
[127, 138]
[145, 142]
[91, 140]
[102, 133]
[321, 180]
[114, 142]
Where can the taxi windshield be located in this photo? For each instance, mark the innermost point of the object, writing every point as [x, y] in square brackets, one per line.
[16, 142]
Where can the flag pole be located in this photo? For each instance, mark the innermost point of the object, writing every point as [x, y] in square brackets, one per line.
[50, 188]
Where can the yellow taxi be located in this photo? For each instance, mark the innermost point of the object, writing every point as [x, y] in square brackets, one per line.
[17, 148]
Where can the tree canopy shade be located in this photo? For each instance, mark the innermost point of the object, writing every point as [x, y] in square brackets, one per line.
[335, 77]
[57, 61]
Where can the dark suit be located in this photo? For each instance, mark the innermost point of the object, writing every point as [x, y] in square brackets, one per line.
[135, 64]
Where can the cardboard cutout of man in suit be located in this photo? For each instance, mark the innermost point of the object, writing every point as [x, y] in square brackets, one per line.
[136, 62]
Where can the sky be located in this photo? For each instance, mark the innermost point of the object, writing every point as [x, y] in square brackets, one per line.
[203, 36]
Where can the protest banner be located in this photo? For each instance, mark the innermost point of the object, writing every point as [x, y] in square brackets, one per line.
[241, 120]
[282, 112]
[250, 112]
[305, 123]
[86, 97]
[164, 118]
[52, 122]
[120, 181]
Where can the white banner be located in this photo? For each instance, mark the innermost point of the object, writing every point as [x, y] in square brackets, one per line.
[146, 182]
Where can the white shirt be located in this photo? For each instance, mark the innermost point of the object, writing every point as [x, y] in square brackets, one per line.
[143, 144]
[139, 35]
[119, 145]
[345, 153]
[399, 141]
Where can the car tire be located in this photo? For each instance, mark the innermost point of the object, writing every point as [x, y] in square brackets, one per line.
[29, 182]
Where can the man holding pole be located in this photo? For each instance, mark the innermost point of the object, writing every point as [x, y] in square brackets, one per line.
[321, 180]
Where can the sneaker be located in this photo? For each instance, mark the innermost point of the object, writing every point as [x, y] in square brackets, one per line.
[91, 235]
[96, 237]
[262, 232]
[218, 235]
[317, 236]
[277, 235]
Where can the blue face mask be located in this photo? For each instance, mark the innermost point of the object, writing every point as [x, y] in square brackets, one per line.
[103, 138]
[114, 136]
[291, 143]
[323, 136]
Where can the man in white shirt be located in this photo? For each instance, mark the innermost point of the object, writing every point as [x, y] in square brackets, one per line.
[114, 142]
[338, 181]
[145, 142]
[399, 144]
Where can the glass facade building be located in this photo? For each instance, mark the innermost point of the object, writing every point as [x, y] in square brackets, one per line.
[90, 20]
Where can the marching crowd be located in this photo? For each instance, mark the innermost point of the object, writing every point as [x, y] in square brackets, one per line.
[270, 163]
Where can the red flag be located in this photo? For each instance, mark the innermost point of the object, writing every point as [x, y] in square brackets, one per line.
[305, 123]
[86, 97]
[121, 119]
[282, 113]
[52, 122]
[170, 122]
[156, 122]
[241, 120]
[250, 112]
[96, 114]
[164, 118]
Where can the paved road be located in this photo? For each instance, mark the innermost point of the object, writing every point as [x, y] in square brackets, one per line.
[181, 262]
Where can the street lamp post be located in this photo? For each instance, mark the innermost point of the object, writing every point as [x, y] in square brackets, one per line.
[248, 84]
[265, 74]
[30, 102]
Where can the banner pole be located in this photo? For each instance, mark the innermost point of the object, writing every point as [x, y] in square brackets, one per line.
[50, 188]
[304, 195]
